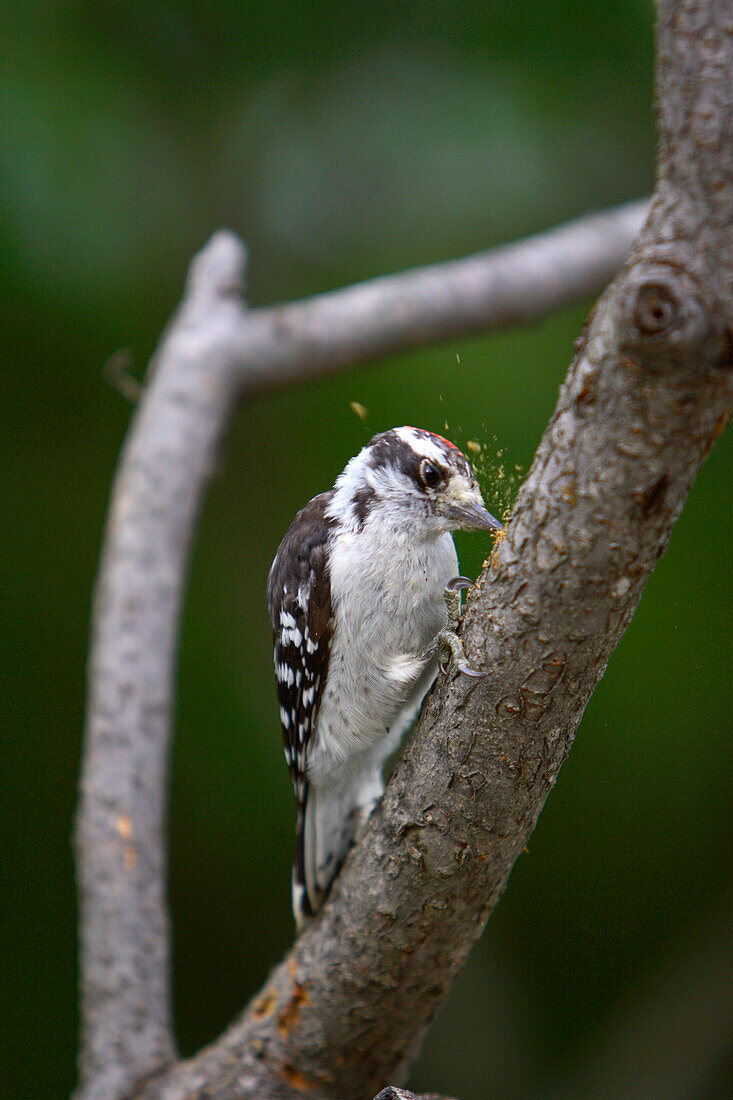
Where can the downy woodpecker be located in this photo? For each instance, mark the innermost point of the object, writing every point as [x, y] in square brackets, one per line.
[356, 600]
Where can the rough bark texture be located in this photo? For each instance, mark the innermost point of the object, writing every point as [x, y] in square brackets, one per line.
[216, 350]
[650, 388]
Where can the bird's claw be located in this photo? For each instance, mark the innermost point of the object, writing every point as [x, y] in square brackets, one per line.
[448, 638]
[459, 583]
[452, 597]
[464, 667]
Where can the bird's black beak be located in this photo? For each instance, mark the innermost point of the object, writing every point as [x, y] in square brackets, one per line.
[472, 516]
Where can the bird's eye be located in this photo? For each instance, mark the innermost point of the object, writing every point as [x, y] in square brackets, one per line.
[430, 475]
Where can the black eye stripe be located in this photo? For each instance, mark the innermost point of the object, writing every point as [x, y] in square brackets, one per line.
[389, 450]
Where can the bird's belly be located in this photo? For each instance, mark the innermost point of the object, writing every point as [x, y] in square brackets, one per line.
[370, 725]
[378, 674]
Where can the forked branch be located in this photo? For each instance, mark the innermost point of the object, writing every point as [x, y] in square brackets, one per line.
[648, 391]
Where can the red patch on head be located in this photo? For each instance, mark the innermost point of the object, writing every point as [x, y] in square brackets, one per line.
[444, 440]
[435, 435]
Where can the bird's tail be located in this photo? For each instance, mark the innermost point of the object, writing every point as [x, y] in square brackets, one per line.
[329, 822]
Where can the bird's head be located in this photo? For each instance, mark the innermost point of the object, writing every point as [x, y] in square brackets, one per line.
[416, 480]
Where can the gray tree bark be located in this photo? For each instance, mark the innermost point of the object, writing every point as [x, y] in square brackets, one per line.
[649, 389]
[215, 352]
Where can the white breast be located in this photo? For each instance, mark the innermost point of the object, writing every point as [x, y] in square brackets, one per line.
[387, 595]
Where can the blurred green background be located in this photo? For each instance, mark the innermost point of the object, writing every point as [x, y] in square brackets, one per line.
[343, 141]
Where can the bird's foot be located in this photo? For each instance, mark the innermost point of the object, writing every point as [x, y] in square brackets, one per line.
[452, 598]
[447, 642]
[453, 650]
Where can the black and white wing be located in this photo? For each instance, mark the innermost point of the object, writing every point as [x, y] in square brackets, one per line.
[299, 603]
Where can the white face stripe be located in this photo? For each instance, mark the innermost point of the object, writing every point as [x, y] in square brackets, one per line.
[421, 444]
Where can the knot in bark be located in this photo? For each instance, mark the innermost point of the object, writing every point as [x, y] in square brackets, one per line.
[654, 309]
[663, 320]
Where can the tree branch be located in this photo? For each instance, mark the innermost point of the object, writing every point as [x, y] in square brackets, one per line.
[648, 391]
[517, 284]
[216, 349]
[121, 862]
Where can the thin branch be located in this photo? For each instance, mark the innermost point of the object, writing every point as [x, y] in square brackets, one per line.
[517, 284]
[166, 462]
[647, 393]
[214, 349]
